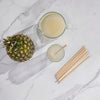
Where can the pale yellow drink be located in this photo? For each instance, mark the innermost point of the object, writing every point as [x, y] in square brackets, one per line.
[52, 25]
[55, 53]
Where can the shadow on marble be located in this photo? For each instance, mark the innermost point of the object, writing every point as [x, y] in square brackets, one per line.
[19, 72]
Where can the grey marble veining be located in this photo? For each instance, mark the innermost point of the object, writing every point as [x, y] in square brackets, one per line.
[24, 71]
[20, 81]
[21, 73]
[77, 89]
[28, 18]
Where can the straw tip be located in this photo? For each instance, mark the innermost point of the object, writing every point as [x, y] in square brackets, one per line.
[65, 45]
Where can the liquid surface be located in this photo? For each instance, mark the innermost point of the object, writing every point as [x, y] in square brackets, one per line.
[53, 55]
[52, 25]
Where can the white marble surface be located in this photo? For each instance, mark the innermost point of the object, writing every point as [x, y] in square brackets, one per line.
[83, 19]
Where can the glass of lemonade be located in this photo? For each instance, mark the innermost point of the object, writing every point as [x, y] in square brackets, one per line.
[52, 25]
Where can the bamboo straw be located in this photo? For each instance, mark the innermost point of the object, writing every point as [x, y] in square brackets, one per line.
[73, 63]
[59, 73]
[73, 57]
[61, 49]
[60, 80]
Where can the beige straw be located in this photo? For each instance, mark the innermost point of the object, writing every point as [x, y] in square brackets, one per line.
[64, 69]
[61, 49]
[74, 61]
[60, 80]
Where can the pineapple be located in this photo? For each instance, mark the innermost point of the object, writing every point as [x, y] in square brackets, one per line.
[19, 47]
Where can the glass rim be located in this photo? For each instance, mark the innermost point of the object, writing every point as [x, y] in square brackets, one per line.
[46, 35]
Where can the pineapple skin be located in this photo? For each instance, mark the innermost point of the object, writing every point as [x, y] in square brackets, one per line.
[19, 47]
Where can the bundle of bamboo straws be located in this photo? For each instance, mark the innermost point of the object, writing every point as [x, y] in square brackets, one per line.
[79, 58]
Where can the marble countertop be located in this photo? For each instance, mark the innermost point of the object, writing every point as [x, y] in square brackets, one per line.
[82, 17]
